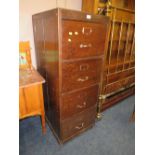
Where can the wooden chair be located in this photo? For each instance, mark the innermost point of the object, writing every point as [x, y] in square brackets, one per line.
[31, 101]
[24, 55]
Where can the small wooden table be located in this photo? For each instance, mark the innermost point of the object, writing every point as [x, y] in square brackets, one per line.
[31, 101]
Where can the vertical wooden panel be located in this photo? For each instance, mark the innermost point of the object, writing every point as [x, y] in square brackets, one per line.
[39, 39]
[126, 45]
[22, 103]
[29, 100]
[88, 6]
[119, 42]
[111, 38]
[96, 2]
[132, 50]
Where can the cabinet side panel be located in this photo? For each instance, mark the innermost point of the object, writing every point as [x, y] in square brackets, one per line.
[38, 39]
[39, 50]
[50, 66]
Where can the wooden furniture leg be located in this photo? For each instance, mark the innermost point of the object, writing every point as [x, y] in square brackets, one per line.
[43, 123]
[132, 117]
[42, 109]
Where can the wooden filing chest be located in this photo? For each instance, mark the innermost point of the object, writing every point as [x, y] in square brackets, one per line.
[70, 48]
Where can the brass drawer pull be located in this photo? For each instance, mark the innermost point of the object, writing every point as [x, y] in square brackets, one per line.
[87, 30]
[81, 106]
[84, 67]
[85, 45]
[83, 79]
[80, 126]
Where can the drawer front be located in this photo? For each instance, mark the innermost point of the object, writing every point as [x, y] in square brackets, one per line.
[114, 77]
[82, 39]
[120, 84]
[75, 124]
[114, 87]
[80, 74]
[117, 76]
[78, 101]
[128, 81]
[29, 101]
[128, 73]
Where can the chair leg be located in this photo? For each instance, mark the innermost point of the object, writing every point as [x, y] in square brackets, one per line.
[43, 123]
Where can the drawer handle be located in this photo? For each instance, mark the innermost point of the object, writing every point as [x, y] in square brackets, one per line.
[83, 79]
[80, 126]
[84, 67]
[85, 45]
[81, 106]
[87, 30]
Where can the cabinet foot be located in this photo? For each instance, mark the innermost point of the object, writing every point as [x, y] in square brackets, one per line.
[99, 116]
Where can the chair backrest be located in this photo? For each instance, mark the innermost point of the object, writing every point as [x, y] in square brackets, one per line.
[25, 55]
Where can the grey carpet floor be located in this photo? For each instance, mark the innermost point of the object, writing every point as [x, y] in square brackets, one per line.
[113, 135]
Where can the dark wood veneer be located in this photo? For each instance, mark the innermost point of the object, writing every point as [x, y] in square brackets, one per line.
[80, 74]
[82, 100]
[70, 47]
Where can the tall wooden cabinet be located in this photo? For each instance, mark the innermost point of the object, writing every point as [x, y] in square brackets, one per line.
[119, 70]
[70, 48]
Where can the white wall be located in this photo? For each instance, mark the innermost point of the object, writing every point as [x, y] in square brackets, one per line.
[29, 7]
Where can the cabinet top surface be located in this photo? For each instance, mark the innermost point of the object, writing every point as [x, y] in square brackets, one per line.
[73, 15]
[28, 77]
